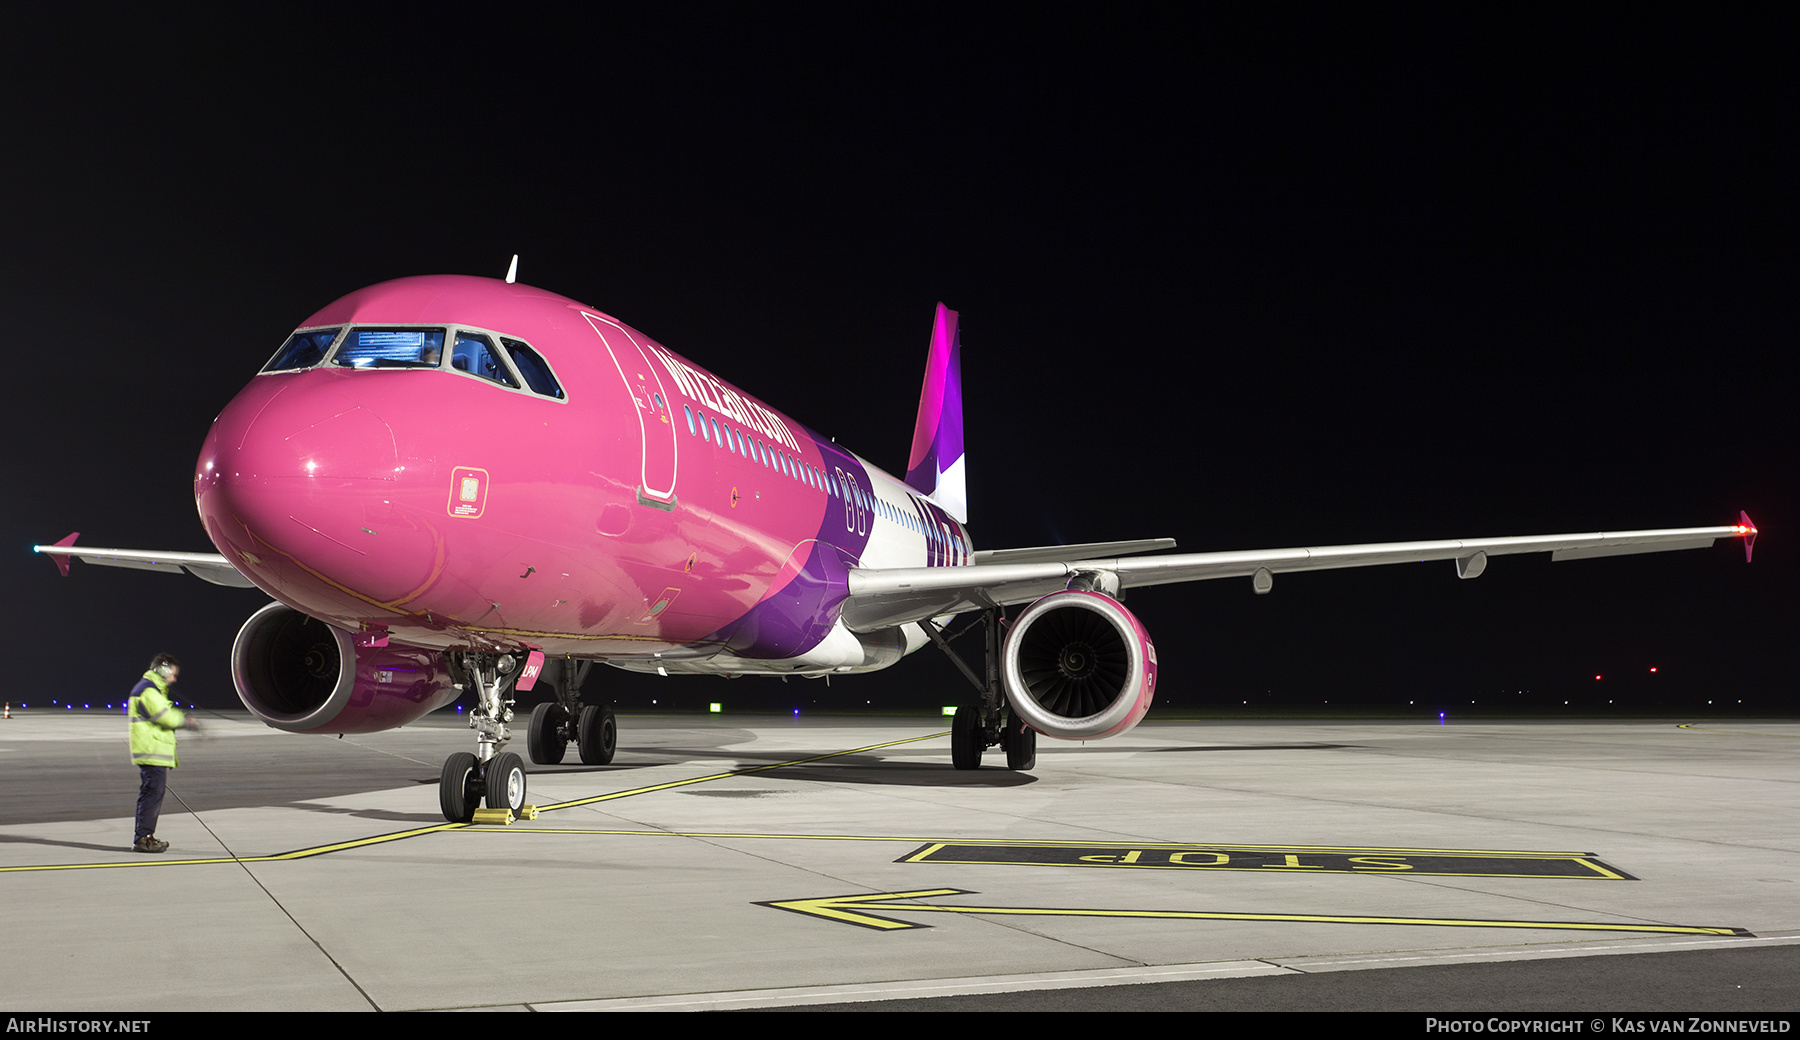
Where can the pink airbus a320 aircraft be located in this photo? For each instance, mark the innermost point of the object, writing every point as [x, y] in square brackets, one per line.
[452, 484]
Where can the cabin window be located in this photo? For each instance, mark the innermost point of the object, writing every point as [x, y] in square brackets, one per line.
[690, 417]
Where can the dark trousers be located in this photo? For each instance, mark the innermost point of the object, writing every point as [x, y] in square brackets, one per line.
[153, 780]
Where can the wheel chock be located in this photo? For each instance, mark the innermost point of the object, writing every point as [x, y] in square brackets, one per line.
[527, 812]
[497, 817]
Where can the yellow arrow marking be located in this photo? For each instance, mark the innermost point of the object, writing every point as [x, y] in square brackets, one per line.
[854, 909]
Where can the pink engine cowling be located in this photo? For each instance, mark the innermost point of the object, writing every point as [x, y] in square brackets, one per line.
[1079, 666]
[302, 675]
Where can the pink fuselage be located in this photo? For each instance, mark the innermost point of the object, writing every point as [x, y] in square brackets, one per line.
[443, 510]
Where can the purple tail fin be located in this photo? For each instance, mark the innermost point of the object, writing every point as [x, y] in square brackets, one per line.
[935, 468]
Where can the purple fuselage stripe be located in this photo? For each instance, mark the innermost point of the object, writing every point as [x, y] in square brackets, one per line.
[795, 617]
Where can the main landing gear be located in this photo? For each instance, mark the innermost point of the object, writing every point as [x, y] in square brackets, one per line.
[982, 719]
[556, 724]
[490, 774]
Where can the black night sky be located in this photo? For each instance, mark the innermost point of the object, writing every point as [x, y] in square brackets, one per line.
[1311, 277]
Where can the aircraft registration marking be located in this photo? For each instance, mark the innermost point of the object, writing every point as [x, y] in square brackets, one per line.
[1272, 858]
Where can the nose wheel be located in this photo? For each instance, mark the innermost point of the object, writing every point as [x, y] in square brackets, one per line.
[504, 782]
[459, 788]
[465, 783]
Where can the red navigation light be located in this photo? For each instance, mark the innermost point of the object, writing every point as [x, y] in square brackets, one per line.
[1596, 678]
[1747, 531]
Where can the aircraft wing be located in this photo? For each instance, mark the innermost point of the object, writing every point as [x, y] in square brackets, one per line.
[208, 566]
[891, 596]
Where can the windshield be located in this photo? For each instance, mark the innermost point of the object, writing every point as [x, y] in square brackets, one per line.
[304, 349]
[475, 354]
[391, 348]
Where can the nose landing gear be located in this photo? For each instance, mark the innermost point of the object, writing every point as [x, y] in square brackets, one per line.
[490, 773]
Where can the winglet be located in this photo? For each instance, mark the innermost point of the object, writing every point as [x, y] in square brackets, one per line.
[1746, 531]
[935, 467]
[61, 559]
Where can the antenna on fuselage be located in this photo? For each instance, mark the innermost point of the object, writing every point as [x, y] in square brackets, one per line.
[512, 270]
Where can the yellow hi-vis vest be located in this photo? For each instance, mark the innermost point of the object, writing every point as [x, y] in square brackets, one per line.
[154, 720]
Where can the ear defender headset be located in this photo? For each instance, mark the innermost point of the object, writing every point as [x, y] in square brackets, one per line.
[164, 665]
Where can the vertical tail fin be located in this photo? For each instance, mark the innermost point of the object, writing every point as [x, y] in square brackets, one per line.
[935, 468]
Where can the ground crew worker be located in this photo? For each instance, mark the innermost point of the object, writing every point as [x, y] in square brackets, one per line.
[154, 720]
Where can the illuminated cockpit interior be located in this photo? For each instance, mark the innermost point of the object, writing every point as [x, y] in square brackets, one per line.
[390, 348]
[497, 359]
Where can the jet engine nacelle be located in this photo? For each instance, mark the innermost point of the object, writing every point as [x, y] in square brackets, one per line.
[1078, 666]
[300, 674]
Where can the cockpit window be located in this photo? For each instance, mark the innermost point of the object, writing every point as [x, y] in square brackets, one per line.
[475, 354]
[531, 366]
[391, 348]
[304, 349]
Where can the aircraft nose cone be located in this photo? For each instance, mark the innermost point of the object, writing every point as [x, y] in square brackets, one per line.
[294, 480]
[289, 431]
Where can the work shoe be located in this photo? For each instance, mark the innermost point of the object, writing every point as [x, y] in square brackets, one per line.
[149, 844]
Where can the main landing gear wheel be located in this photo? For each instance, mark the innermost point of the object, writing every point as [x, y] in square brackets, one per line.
[457, 792]
[545, 738]
[1021, 746]
[505, 781]
[966, 738]
[598, 736]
